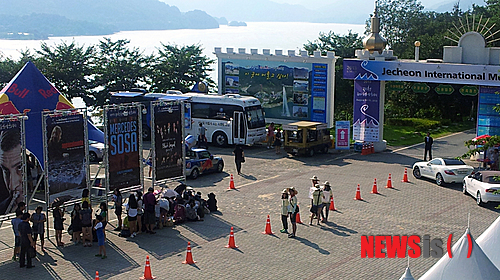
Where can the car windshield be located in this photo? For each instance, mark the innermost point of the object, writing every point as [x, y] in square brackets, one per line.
[255, 117]
[492, 180]
[453, 162]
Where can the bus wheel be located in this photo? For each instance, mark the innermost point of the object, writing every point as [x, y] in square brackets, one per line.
[219, 139]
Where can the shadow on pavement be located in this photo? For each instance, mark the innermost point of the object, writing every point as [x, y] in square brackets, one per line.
[165, 243]
[312, 245]
[212, 228]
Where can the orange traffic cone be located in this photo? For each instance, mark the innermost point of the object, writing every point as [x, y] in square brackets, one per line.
[97, 275]
[332, 205]
[231, 240]
[405, 177]
[231, 183]
[389, 182]
[374, 190]
[189, 255]
[358, 194]
[297, 218]
[147, 271]
[363, 150]
[372, 149]
[268, 226]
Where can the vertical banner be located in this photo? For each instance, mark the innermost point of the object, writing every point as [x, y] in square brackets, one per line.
[66, 159]
[342, 135]
[122, 136]
[168, 140]
[488, 119]
[319, 91]
[366, 111]
[12, 190]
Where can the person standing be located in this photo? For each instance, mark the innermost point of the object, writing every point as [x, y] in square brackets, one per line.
[38, 219]
[277, 142]
[140, 212]
[117, 198]
[76, 223]
[293, 210]
[58, 215]
[202, 139]
[270, 135]
[132, 214]
[316, 203]
[239, 157]
[86, 219]
[99, 229]
[428, 146]
[17, 237]
[27, 241]
[149, 201]
[494, 160]
[327, 196]
[285, 204]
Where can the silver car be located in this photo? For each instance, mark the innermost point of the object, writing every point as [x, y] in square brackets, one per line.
[96, 151]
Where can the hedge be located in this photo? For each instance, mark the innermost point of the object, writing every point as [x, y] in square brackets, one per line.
[420, 125]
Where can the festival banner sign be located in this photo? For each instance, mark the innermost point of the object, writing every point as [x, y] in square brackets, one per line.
[366, 111]
[168, 140]
[11, 183]
[342, 135]
[441, 73]
[65, 154]
[122, 130]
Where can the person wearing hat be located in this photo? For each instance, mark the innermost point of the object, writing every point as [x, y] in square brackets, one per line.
[316, 203]
[314, 180]
[327, 196]
[149, 201]
[293, 209]
[285, 204]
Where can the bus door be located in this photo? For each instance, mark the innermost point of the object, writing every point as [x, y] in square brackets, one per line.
[239, 128]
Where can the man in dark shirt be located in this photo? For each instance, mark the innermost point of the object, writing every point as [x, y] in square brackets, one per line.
[428, 146]
[26, 241]
[149, 201]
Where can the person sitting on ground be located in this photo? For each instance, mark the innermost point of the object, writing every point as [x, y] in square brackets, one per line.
[180, 212]
[212, 202]
[191, 214]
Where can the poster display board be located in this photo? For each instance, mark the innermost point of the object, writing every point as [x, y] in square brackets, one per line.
[122, 127]
[366, 114]
[342, 135]
[65, 145]
[488, 119]
[13, 177]
[168, 160]
[290, 88]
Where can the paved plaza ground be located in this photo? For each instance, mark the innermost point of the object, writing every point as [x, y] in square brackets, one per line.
[329, 251]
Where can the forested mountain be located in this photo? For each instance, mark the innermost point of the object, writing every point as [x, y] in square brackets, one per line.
[75, 17]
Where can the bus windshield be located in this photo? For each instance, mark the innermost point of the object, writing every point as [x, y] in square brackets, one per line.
[255, 117]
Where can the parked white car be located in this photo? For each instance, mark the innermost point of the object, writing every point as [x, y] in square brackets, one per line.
[442, 170]
[482, 185]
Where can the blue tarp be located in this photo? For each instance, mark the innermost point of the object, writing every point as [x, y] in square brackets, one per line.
[29, 92]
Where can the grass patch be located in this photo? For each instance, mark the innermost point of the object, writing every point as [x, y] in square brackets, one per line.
[406, 135]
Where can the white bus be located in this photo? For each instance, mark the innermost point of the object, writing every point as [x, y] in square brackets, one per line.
[229, 118]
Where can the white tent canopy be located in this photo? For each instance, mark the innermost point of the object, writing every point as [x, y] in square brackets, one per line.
[407, 275]
[477, 267]
[489, 241]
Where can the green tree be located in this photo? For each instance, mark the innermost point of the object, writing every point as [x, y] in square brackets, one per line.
[180, 68]
[343, 46]
[119, 68]
[68, 66]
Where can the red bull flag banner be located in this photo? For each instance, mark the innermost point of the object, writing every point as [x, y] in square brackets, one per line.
[168, 141]
[30, 93]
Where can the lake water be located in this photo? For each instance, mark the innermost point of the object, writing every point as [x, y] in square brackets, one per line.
[257, 35]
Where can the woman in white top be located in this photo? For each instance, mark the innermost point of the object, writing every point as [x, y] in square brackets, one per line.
[327, 196]
[132, 214]
[285, 204]
[140, 211]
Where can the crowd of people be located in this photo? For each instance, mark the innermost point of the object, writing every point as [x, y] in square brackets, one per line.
[143, 214]
[320, 205]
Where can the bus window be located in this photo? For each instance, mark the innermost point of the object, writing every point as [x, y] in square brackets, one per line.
[200, 110]
[255, 117]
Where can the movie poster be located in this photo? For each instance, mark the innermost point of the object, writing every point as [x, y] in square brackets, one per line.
[65, 148]
[11, 177]
[123, 152]
[168, 141]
